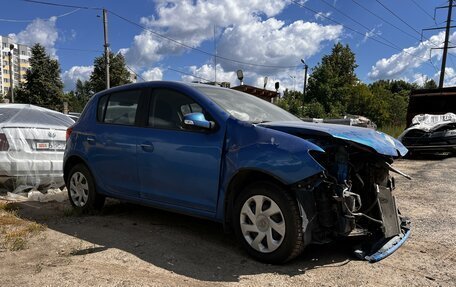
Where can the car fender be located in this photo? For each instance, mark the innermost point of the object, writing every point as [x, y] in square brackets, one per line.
[282, 156]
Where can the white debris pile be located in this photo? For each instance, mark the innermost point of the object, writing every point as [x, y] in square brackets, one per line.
[427, 122]
[35, 195]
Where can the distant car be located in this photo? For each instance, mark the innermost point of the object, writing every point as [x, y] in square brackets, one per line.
[431, 134]
[32, 141]
[278, 182]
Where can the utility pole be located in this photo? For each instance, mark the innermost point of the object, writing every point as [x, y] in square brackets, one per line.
[445, 47]
[106, 46]
[215, 60]
[10, 55]
[304, 89]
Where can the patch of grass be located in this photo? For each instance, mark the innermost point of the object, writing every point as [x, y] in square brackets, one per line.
[15, 243]
[14, 231]
[393, 130]
[8, 206]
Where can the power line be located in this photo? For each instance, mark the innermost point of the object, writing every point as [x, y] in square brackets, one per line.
[188, 74]
[162, 36]
[359, 23]
[198, 49]
[423, 10]
[134, 72]
[62, 5]
[358, 32]
[395, 15]
[29, 21]
[80, 50]
[384, 20]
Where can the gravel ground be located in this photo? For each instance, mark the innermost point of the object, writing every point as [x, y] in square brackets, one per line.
[130, 245]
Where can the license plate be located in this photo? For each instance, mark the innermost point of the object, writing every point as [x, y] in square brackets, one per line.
[42, 145]
[50, 146]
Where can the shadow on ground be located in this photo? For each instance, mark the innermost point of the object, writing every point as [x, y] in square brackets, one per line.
[184, 245]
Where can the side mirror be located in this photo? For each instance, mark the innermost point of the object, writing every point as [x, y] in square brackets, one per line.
[197, 120]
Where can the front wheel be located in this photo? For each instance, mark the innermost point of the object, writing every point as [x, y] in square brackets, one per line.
[268, 224]
[81, 190]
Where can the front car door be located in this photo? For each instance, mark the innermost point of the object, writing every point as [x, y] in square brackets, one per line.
[178, 167]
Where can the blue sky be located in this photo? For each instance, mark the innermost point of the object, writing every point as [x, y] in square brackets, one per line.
[261, 37]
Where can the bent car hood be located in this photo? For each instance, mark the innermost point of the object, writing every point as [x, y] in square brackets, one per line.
[380, 142]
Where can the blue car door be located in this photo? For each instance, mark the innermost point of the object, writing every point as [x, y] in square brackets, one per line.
[178, 168]
[113, 144]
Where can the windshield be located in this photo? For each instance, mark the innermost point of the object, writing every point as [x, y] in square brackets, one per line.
[246, 107]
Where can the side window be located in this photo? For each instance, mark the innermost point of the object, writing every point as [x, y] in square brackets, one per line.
[168, 108]
[121, 108]
[101, 107]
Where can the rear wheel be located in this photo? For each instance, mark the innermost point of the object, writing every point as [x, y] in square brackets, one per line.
[81, 190]
[267, 223]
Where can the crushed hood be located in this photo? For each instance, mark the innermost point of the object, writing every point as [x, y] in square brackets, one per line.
[380, 142]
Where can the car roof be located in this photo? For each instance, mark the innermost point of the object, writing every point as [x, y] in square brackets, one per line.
[154, 84]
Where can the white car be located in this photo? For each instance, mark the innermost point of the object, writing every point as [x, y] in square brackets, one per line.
[32, 142]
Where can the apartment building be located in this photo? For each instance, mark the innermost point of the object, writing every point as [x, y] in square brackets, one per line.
[20, 55]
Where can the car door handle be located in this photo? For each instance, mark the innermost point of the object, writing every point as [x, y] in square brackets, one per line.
[91, 140]
[147, 147]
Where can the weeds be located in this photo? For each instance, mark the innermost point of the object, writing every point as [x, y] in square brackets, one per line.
[14, 231]
[393, 130]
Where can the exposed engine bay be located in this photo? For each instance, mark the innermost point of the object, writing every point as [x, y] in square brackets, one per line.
[353, 198]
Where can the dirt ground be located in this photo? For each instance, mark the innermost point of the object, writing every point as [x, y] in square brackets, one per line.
[129, 245]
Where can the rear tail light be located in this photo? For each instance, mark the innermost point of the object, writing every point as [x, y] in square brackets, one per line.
[4, 145]
[68, 132]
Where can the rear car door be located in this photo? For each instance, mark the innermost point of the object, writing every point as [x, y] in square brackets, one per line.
[112, 153]
[177, 166]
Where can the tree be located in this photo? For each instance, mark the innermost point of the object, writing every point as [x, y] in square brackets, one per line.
[43, 86]
[78, 98]
[332, 79]
[430, 84]
[291, 102]
[118, 73]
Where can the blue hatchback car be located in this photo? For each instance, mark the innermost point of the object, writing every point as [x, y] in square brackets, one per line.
[279, 183]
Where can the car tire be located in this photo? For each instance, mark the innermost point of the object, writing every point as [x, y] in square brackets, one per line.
[81, 190]
[267, 223]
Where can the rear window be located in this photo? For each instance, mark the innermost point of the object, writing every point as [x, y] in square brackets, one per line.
[34, 116]
[121, 108]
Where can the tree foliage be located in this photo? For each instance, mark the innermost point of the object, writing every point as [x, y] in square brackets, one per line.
[118, 73]
[78, 98]
[332, 79]
[335, 91]
[43, 86]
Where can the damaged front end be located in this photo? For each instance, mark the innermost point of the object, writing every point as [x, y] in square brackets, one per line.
[352, 198]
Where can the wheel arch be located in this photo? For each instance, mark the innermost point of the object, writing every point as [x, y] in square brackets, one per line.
[241, 179]
[72, 161]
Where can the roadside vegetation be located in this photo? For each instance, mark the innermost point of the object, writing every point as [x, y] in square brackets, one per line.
[15, 231]
[334, 91]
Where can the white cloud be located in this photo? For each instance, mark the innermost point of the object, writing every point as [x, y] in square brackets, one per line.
[408, 59]
[322, 15]
[192, 23]
[154, 74]
[271, 42]
[39, 31]
[419, 79]
[450, 77]
[70, 77]
[370, 34]
[206, 73]
[238, 24]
